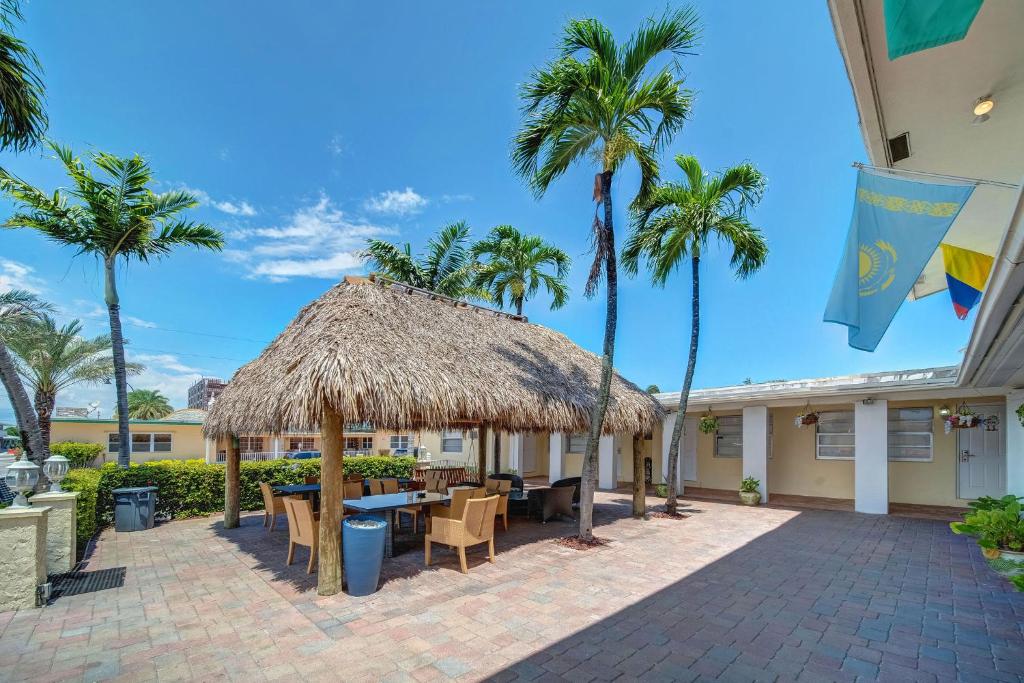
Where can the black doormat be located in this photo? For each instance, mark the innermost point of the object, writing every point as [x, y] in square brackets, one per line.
[80, 582]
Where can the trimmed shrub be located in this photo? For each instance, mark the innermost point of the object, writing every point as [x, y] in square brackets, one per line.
[80, 454]
[87, 483]
[191, 488]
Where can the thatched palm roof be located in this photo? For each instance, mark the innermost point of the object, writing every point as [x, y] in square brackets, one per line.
[402, 358]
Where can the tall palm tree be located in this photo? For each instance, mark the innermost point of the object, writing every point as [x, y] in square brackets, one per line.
[446, 268]
[599, 101]
[112, 216]
[53, 357]
[515, 267]
[675, 222]
[653, 389]
[22, 118]
[18, 309]
[148, 404]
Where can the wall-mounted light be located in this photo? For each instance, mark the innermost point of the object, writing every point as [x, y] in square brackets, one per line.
[868, 401]
[945, 411]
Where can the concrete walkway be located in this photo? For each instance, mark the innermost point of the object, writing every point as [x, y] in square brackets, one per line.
[730, 593]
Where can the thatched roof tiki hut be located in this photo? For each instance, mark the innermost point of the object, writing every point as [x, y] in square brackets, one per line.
[401, 358]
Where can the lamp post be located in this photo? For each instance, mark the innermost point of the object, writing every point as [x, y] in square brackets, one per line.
[22, 476]
[56, 468]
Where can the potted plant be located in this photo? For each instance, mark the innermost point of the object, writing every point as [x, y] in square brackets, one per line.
[708, 423]
[997, 525]
[750, 493]
[807, 418]
[962, 418]
[1020, 414]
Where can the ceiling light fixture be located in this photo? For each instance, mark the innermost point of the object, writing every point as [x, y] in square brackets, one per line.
[984, 105]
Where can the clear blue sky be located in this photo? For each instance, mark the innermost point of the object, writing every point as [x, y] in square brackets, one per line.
[308, 125]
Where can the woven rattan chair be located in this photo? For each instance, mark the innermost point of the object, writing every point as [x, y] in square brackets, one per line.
[475, 526]
[272, 506]
[497, 486]
[312, 479]
[303, 529]
[353, 489]
[376, 487]
[458, 503]
[391, 486]
[435, 482]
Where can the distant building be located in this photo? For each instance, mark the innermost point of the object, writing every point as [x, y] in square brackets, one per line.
[72, 412]
[202, 392]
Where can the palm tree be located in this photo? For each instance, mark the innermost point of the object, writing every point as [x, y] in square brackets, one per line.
[19, 308]
[653, 389]
[53, 357]
[22, 118]
[446, 268]
[676, 221]
[515, 267]
[148, 404]
[116, 215]
[597, 101]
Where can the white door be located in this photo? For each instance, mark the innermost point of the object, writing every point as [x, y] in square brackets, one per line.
[689, 469]
[981, 456]
[529, 453]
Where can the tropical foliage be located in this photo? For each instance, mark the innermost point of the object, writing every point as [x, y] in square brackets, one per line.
[52, 357]
[511, 266]
[446, 267]
[78, 454]
[18, 309]
[148, 404]
[114, 215]
[674, 223]
[22, 117]
[600, 102]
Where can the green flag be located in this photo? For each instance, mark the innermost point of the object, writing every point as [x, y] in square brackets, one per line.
[914, 25]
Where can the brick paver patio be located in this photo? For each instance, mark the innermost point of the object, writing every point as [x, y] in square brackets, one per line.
[731, 593]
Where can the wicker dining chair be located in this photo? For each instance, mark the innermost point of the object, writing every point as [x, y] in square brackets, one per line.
[312, 479]
[391, 486]
[272, 506]
[497, 486]
[353, 489]
[475, 526]
[376, 486]
[303, 529]
[458, 503]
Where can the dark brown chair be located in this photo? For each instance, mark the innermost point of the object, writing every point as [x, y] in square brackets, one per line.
[557, 501]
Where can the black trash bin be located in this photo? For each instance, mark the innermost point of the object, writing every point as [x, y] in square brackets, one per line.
[362, 541]
[134, 508]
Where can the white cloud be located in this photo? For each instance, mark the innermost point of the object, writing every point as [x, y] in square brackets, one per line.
[318, 241]
[80, 308]
[17, 275]
[397, 202]
[166, 361]
[242, 208]
[336, 145]
[138, 322]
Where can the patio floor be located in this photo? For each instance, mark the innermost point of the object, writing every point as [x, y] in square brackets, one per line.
[730, 593]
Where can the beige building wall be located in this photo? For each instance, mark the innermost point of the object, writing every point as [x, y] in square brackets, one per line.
[187, 441]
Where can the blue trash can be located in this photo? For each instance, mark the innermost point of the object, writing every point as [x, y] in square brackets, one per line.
[362, 541]
[134, 508]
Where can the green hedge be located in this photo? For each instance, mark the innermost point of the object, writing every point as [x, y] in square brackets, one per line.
[87, 483]
[80, 454]
[190, 488]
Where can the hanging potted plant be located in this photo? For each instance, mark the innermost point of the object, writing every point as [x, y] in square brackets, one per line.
[708, 423]
[962, 418]
[1020, 414]
[807, 418]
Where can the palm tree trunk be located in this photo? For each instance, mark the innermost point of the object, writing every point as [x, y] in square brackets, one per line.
[639, 480]
[25, 416]
[589, 474]
[44, 410]
[684, 395]
[124, 445]
[519, 306]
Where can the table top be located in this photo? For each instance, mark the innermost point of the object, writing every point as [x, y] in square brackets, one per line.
[296, 488]
[393, 501]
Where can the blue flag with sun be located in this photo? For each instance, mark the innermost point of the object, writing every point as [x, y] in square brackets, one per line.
[897, 225]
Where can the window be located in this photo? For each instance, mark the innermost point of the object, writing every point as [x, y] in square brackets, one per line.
[910, 434]
[729, 437]
[451, 442]
[358, 443]
[399, 441]
[300, 443]
[367, 443]
[250, 444]
[142, 442]
[576, 443]
[835, 435]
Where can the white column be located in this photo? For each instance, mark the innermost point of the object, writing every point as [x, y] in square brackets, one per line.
[277, 447]
[211, 451]
[871, 457]
[667, 424]
[1014, 445]
[515, 452]
[555, 456]
[755, 446]
[606, 462]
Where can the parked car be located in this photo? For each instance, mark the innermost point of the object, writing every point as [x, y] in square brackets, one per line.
[302, 455]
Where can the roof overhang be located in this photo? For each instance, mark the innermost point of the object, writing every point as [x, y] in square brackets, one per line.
[930, 95]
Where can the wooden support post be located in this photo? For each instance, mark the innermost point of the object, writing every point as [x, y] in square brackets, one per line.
[232, 484]
[639, 482]
[332, 487]
[482, 455]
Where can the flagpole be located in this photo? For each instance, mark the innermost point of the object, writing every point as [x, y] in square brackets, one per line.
[941, 176]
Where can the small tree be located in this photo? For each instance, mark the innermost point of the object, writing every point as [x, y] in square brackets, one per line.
[514, 266]
[148, 404]
[446, 268]
[19, 308]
